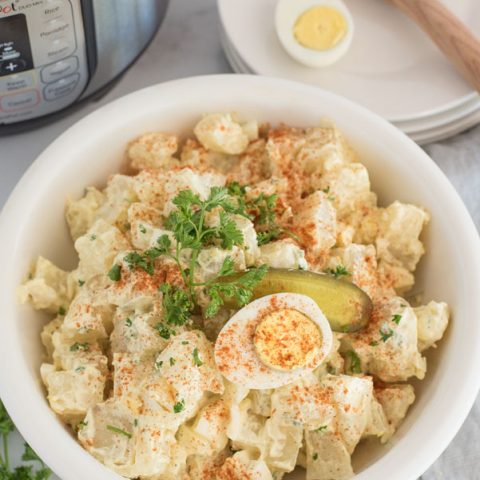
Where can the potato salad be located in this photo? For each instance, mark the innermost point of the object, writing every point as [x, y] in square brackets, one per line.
[241, 307]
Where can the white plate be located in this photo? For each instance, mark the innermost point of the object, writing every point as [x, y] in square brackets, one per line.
[392, 67]
[423, 130]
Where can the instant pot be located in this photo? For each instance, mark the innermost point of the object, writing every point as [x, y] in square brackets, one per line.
[56, 53]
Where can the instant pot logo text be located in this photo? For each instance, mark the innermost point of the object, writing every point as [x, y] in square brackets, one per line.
[7, 8]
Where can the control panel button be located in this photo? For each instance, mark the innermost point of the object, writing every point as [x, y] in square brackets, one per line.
[12, 66]
[19, 101]
[60, 69]
[59, 48]
[16, 82]
[54, 29]
[53, 8]
[61, 87]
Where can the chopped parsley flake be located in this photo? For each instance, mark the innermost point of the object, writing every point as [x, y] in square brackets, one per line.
[115, 273]
[142, 229]
[158, 364]
[355, 365]
[93, 237]
[315, 456]
[81, 283]
[179, 406]
[172, 361]
[338, 271]
[373, 343]
[385, 333]
[396, 318]
[184, 342]
[80, 369]
[81, 425]
[135, 422]
[164, 331]
[62, 311]
[128, 322]
[321, 429]
[115, 429]
[77, 346]
[196, 359]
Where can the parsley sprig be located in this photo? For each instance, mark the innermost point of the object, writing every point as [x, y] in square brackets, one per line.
[22, 472]
[262, 210]
[190, 232]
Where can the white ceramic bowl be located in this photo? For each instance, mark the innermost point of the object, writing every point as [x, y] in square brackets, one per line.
[32, 223]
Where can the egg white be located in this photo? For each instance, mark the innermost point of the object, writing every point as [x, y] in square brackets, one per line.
[242, 365]
[287, 13]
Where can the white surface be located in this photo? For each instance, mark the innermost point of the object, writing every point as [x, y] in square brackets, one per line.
[391, 68]
[188, 44]
[176, 106]
[422, 130]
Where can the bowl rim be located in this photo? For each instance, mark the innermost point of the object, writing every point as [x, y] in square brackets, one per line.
[10, 228]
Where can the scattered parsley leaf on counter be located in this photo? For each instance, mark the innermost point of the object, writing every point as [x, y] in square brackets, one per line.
[196, 359]
[355, 365]
[179, 406]
[22, 472]
[338, 271]
[115, 429]
[115, 273]
[396, 318]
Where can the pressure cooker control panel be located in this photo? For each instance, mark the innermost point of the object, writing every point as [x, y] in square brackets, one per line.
[43, 64]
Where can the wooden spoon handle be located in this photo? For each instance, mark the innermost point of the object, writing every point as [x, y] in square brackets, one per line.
[452, 36]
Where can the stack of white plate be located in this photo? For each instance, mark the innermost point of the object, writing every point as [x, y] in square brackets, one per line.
[392, 67]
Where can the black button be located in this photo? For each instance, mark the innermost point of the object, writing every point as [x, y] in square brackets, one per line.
[12, 66]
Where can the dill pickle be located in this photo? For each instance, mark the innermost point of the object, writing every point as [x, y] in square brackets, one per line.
[347, 307]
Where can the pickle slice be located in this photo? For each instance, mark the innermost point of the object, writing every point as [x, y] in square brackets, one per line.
[347, 307]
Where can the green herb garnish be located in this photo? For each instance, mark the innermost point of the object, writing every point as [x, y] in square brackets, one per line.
[396, 318]
[196, 359]
[321, 429]
[172, 361]
[338, 271]
[115, 429]
[315, 456]
[179, 406]
[355, 365]
[77, 346]
[386, 333]
[62, 311]
[81, 283]
[115, 273]
[128, 322]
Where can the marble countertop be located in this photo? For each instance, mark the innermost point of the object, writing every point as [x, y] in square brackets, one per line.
[188, 44]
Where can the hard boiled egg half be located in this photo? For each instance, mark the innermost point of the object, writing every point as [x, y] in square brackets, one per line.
[316, 33]
[273, 341]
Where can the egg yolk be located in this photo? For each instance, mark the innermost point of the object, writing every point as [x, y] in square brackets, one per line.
[286, 339]
[320, 28]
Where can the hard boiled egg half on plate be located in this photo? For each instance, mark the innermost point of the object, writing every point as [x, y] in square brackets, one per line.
[316, 33]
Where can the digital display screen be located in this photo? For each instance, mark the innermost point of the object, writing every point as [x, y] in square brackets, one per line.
[15, 51]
